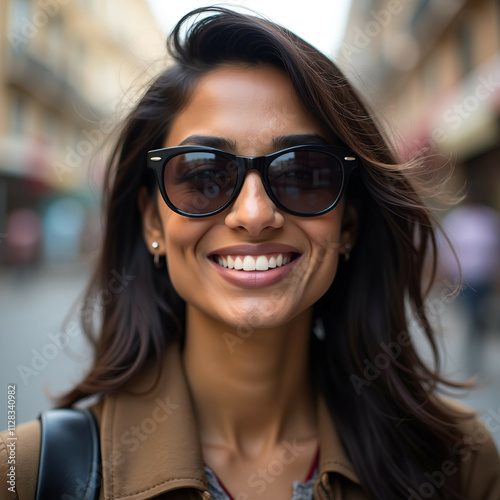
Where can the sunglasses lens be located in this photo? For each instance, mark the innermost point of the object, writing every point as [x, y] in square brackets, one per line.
[306, 181]
[199, 182]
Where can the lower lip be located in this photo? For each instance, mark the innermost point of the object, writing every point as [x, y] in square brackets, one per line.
[255, 278]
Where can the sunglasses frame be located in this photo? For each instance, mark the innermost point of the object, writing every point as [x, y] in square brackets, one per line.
[158, 158]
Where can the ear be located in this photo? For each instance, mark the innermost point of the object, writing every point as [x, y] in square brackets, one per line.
[152, 229]
[349, 228]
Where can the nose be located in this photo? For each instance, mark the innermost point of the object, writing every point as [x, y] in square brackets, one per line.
[253, 210]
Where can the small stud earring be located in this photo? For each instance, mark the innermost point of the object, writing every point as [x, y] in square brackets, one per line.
[347, 251]
[156, 258]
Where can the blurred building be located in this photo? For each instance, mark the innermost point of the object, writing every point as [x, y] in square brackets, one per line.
[433, 68]
[68, 71]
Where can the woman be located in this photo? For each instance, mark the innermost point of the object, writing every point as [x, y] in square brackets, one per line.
[272, 242]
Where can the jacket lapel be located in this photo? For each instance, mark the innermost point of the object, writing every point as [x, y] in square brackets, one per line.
[333, 458]
[150, 443]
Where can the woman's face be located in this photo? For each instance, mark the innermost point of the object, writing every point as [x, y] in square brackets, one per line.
[247, 110]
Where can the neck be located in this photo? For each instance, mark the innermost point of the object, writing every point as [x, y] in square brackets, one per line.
[251, 388]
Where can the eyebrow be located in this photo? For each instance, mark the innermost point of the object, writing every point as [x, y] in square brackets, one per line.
[288, 141]
[211, 142]
[280, 142]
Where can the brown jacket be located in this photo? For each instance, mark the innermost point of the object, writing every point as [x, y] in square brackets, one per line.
[150, 448]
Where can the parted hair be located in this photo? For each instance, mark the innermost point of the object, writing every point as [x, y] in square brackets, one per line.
[380, 392]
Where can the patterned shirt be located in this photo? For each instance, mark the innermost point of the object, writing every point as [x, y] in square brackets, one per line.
[302, 490]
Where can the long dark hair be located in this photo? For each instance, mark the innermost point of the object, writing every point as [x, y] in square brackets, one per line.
[381, 394]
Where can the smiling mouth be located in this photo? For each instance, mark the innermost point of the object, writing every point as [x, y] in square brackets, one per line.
[254, 262]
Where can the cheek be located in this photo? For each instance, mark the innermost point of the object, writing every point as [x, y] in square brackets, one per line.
[325, 238]
[181, 236]
[325, 234]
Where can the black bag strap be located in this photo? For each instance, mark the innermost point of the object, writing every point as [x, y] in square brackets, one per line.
[70, 459]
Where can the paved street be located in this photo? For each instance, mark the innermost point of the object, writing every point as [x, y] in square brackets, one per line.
[32, 310]
[456, 352]
[33, 355]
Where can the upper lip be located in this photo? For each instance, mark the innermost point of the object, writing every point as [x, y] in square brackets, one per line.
[258, 249]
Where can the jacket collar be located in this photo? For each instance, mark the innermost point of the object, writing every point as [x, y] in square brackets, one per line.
[149, 439]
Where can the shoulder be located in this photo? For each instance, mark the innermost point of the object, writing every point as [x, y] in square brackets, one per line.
[22, 451]
[19, 461]
[478, 454]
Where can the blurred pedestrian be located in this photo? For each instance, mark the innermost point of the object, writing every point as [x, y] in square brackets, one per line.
[474, 231]
[23, 241]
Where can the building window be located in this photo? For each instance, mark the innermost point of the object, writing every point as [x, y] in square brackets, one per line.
[465, 47]
[419, 14]
[497, 7]
[430, 76]
[18, 115]
[20, 11]
[76, 62]
[20, 30]
[51, 130]
[55, 41]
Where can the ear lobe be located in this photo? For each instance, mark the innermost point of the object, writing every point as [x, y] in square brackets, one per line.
[349, 227]
[152, 229]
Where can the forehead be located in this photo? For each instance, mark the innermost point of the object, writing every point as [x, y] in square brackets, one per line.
[247, 105]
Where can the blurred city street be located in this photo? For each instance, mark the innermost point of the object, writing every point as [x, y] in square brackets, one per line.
[33, 356]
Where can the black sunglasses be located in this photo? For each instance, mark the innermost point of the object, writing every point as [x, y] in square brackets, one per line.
[198, 181]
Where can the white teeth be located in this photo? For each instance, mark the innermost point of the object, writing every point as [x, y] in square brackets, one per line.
[261, 264]
[254, 263]
[248, 263]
